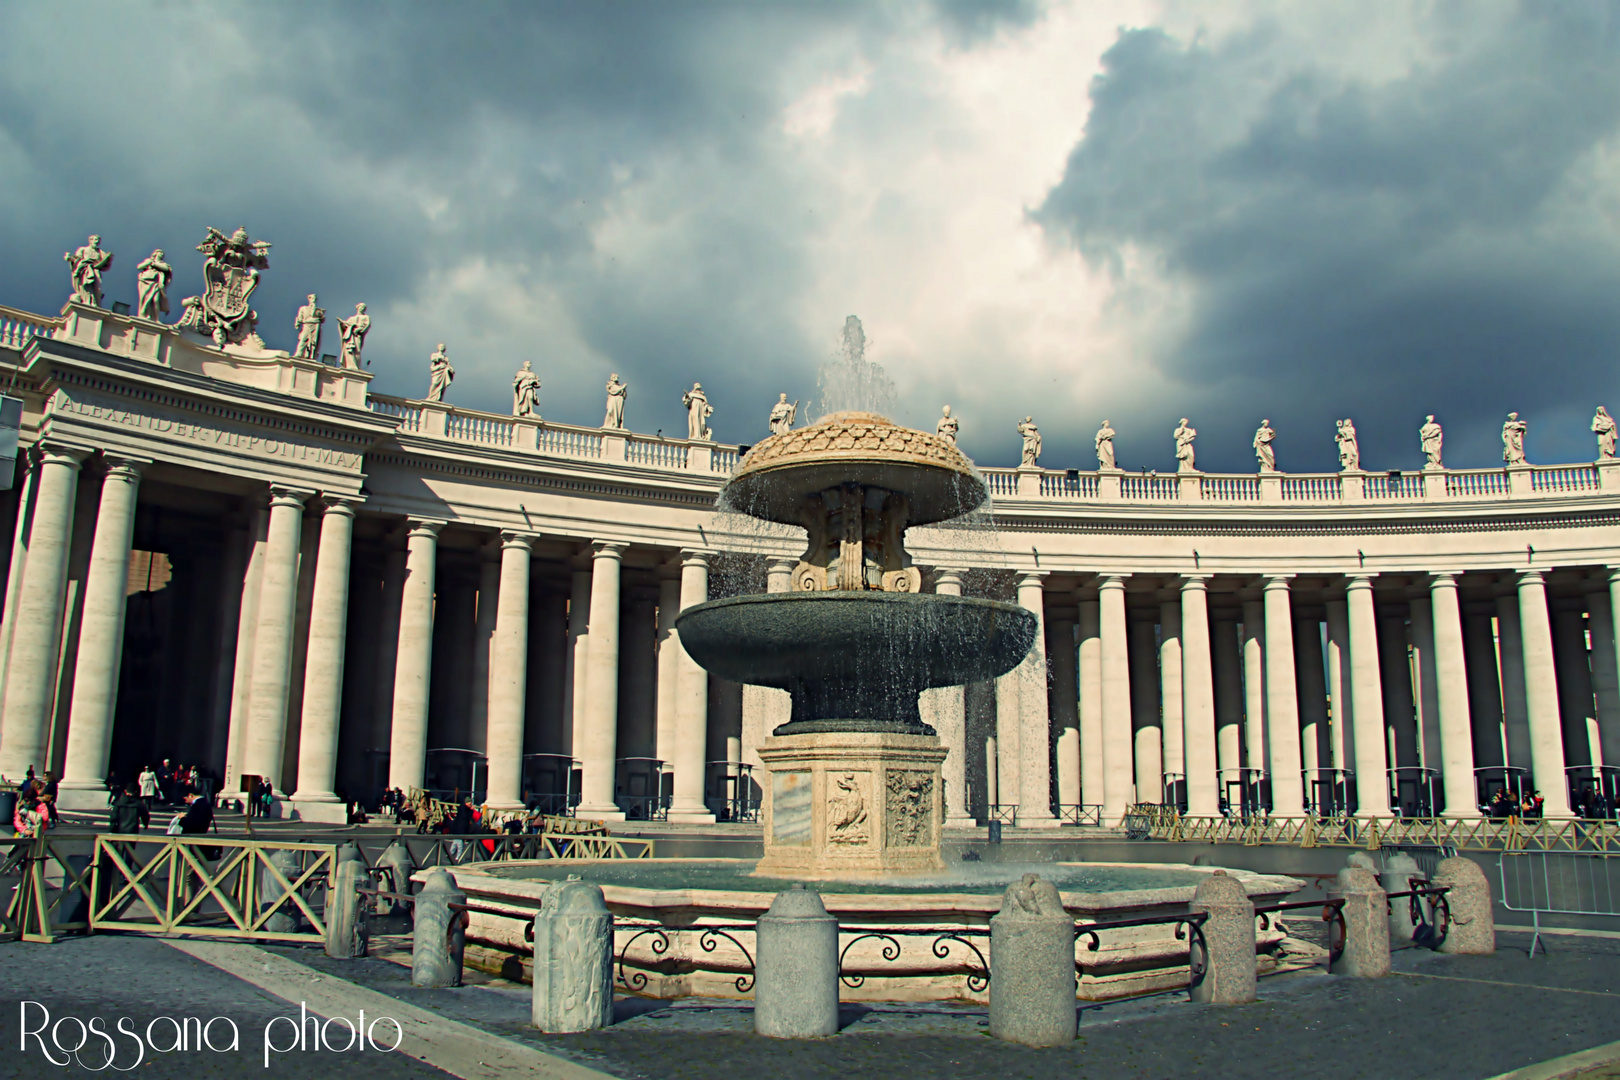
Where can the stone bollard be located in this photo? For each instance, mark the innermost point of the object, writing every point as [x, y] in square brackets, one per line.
[1363, 861]
[1032, 987]
[1399, 870]
[796, 969]
[286, 919]
[346, 930]
[439, 935]
[573, 959]
[396, 859]
[1229, 941]
[1366, 924]
[1473, 924]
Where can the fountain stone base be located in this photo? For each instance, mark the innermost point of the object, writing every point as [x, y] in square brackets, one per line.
[852, 805]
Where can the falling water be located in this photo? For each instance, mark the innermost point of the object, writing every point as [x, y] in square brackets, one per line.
[849, 382]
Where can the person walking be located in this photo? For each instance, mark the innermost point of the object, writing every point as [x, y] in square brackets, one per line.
[149, 786]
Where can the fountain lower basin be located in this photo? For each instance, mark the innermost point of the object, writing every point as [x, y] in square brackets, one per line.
[686, 896]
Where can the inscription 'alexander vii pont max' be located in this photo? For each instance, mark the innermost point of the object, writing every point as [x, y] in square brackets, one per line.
[174, 427]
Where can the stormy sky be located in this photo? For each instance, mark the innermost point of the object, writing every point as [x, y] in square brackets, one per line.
[1138, 211]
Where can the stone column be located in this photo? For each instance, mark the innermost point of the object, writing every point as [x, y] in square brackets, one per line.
[1400, 711]
[1035, 725]
[1484, 686]
[508, 673]
[1576, 706]
[1366, 699]
[27, 501]
[1515, 695]
[413, 658]
[1223, 644]
[579, 641]
[691, 703]
[1342, 739]
[101, 642]
[1310, 681]
[247, 626]
[669, 606]
[1147, 735]
[597, 743]
[1008, 785]
[387, 645]
[1065, 700]
[273, 641]
[490, 566]
[1282, 702]
[1116, 699]
[1254, 686]
[31, 669]
[1089, 631]
[949, 710]
[1170, 705]
[1198, 699]
[1606, 665]
[323, 670]
[765, 708]
[1541, 695]
[1451, 689]
[1425, 695]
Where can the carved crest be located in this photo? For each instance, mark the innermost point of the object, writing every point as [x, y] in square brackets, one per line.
[231, 266]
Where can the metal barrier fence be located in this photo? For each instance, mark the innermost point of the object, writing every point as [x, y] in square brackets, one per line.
[1558, 883]
[456, 850]
[1153, 822]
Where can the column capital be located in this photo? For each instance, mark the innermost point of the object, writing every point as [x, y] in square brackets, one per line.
[608, 549]
[420, 527]
[779, 563]
[341, 505]
[1444, 579]
[1525, 577]
[289, 496]
[1195, 582]
[1031, 577]
[695, 556]
[1358, 581]
[1111, 581]
[1274, 582]
[953, 575]
[126, 468]
[52, 452]
[511, 538]
[1613, 573]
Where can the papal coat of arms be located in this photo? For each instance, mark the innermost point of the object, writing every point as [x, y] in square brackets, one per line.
[231, 266]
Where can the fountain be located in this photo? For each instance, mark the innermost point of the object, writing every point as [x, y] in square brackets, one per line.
[854, 786]
[854, 799]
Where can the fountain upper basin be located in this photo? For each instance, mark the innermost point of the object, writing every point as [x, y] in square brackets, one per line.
[856, 657]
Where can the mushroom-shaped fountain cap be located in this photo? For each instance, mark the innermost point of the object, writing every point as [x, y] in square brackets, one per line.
[776, 475]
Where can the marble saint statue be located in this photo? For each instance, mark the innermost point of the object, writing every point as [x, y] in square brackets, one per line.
[1264, 436]
[353, 331]
[782, 415]
[1603, 427]
[1032, 443]
[617, 392]
[1105, 446]
[152, 277]
[1432, 436]
[308, 322]
[1513, 439]
[86, 265]
[698, 411]
[526, 392]
[1349, 452]
[1185, 433]
[947, 427]
[440, 374]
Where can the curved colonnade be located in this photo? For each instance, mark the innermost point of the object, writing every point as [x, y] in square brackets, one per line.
[251, 563]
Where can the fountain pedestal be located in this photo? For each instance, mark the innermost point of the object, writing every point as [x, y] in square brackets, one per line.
[848, 804]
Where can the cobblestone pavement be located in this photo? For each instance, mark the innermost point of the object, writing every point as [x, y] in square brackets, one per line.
[1441, 1017]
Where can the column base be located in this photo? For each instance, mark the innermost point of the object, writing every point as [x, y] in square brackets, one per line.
[83, 796]
[1046, 822]
[962, 822]
[690, 817]
[610, 812]
[504, 807]
[327, 812]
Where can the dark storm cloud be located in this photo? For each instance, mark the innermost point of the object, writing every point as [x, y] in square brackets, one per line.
[1439, 239]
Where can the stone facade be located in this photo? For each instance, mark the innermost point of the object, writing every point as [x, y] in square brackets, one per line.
[339, 590]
